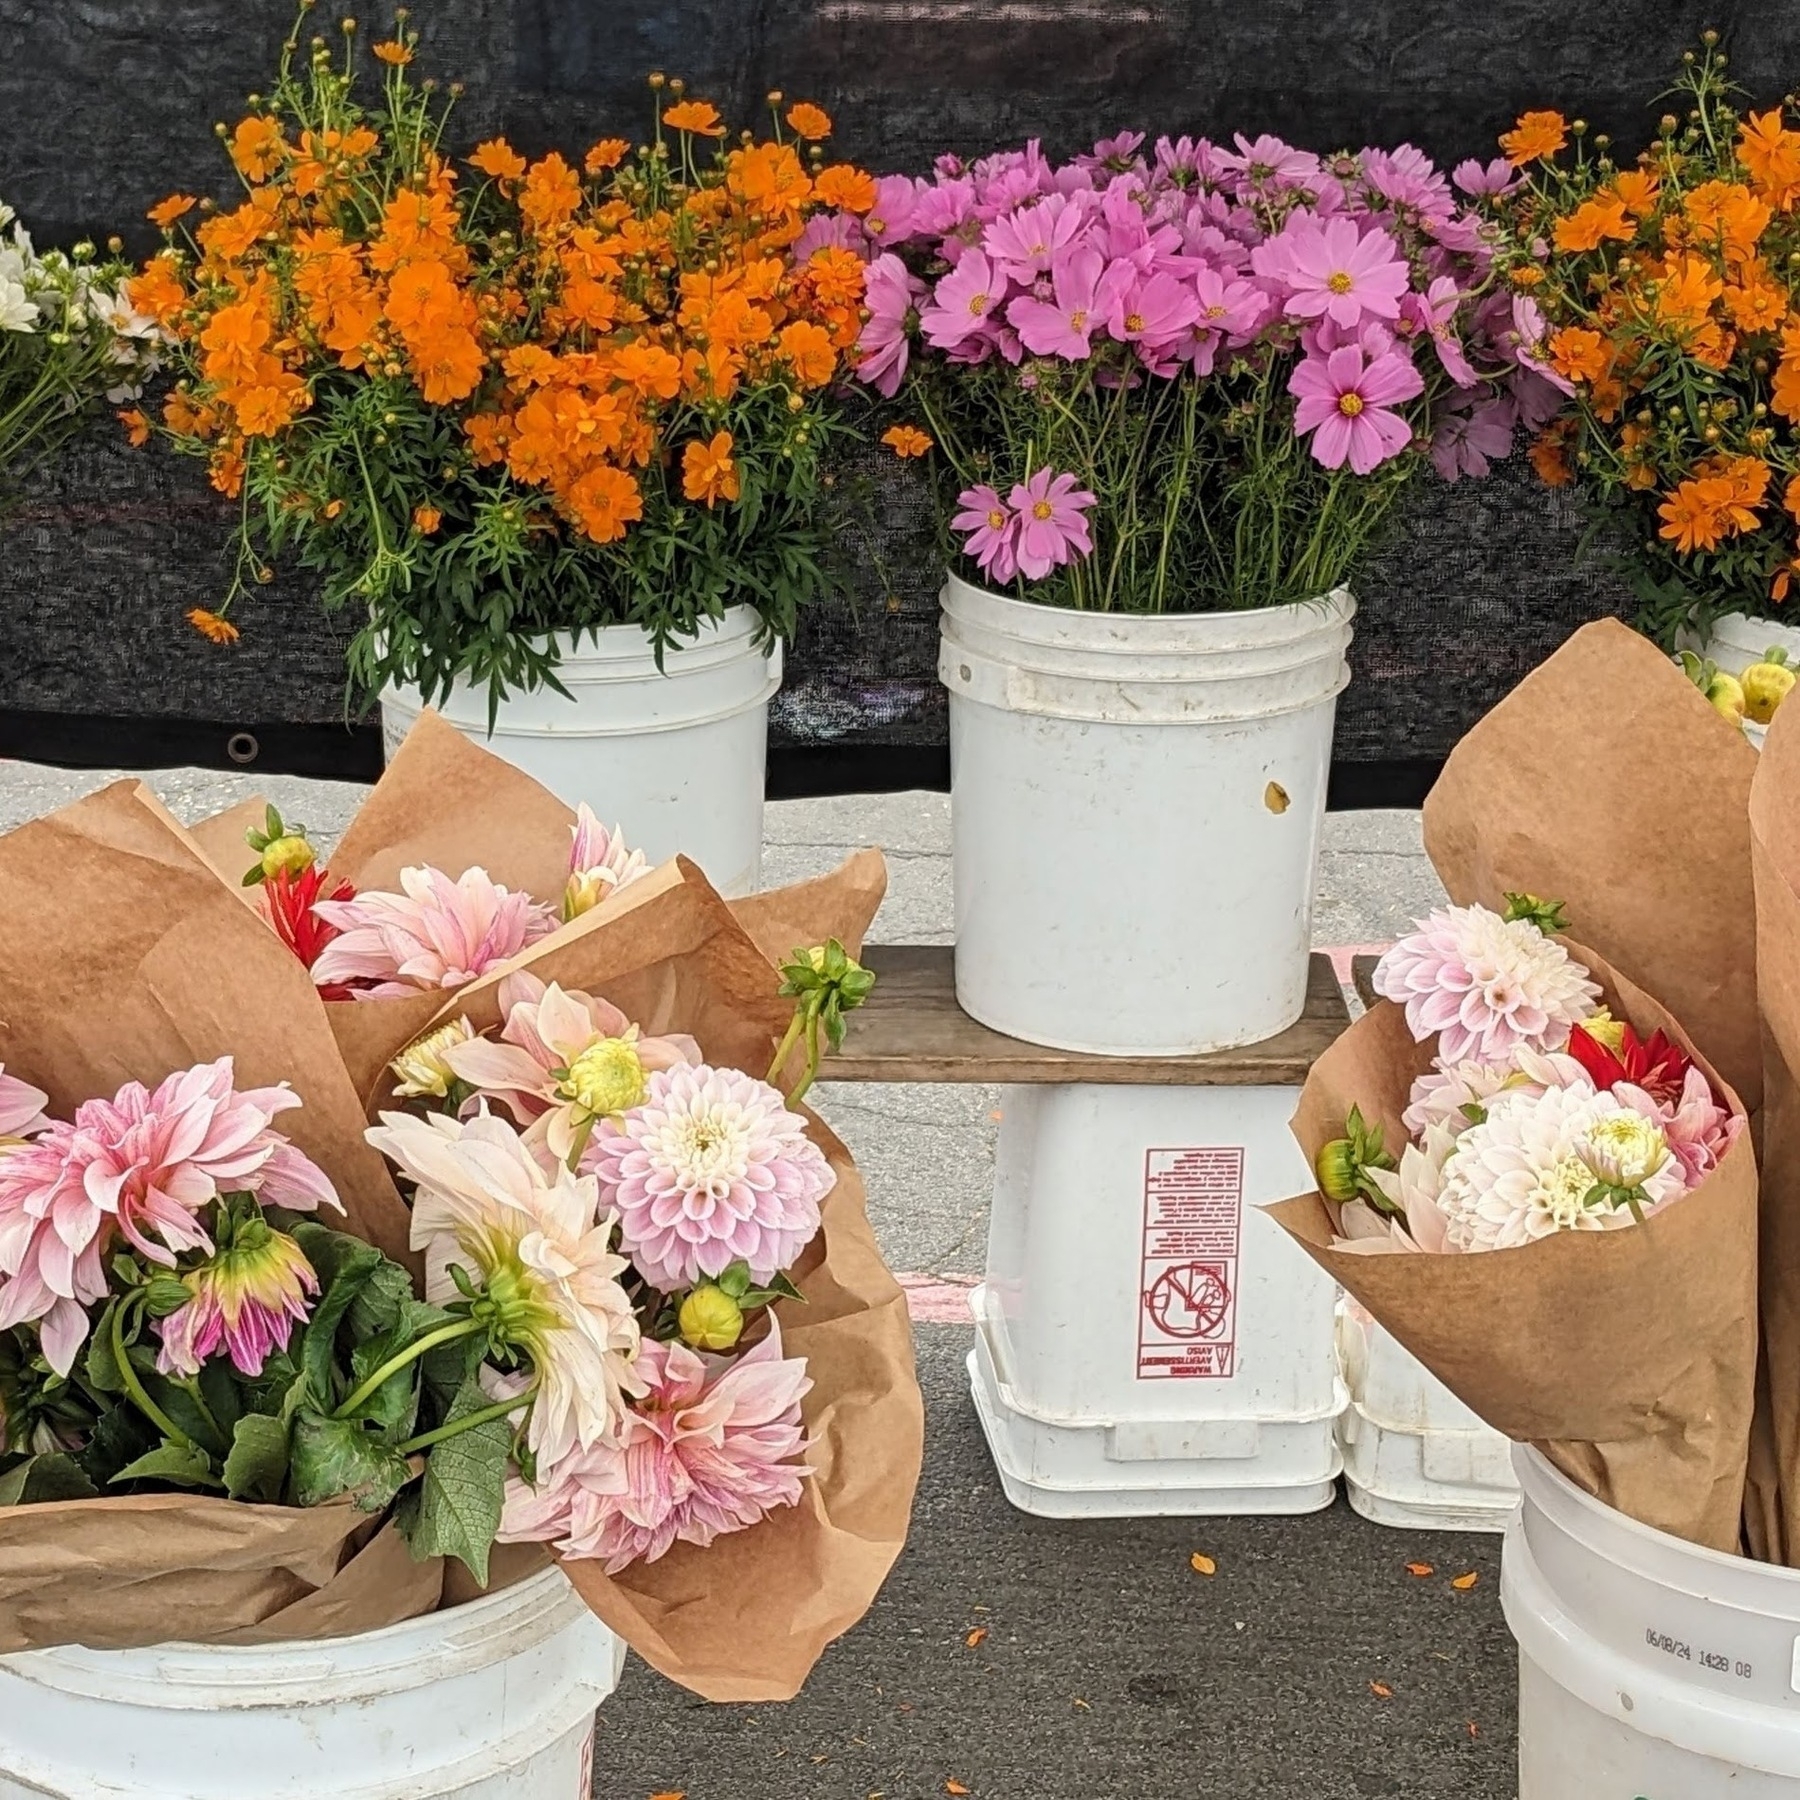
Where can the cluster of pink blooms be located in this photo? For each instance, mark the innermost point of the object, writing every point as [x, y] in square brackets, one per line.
[1540, 1112]
[139, 1170]
[1367, 276]
[690, 1170]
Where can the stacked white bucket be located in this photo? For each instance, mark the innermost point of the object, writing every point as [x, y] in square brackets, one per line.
[1415, 1457]
[1137, 808]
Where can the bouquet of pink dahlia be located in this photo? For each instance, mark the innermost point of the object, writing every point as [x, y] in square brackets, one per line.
[1192, 379]
[1585, 1190]
[1540, 1112]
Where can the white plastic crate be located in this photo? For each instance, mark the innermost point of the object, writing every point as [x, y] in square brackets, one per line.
[1148, 1342]
[1415, 1457]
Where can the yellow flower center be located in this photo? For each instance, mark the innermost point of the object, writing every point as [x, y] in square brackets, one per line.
[996, 519]
[875, 226]
[1339, 281]
[1562, 1191]
[606, 1078]
[1350, 405]
[1134, 321]
[1078, 319]
[1042, 509]
[1215, 312]
[978, 304]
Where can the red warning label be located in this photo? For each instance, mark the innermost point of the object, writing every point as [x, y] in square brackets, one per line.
[1187, 1302]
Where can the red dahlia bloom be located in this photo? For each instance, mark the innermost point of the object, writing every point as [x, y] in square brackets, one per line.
[1655, 1064]
[289, 898]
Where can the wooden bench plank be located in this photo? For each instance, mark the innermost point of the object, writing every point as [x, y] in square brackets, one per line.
[911, 1029]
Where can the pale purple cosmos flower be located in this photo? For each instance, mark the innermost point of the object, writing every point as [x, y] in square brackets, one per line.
[1333, 269]
[1052, 528]
[1466, 440]
[993, 532]
[1344, 403]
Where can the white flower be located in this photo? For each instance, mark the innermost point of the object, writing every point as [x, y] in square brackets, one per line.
[422, 1070]
[17, 311]
[1414, 1187]
[534, 1243]
[1457, 1094]
[1531, 1168]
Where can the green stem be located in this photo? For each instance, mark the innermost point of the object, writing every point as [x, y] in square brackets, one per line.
[445, 1334]
[135, 1388]
[813, 1055]
[795, 1026]
[192, 1388]
[456, 1427]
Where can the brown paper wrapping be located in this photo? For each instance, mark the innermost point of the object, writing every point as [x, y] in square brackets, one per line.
[1606, 781]
[1775, 855]
[746, 1618]
[445, 801]
[123, 957]
[1628, 1357]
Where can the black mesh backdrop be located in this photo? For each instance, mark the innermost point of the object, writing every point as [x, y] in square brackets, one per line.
[107, 105]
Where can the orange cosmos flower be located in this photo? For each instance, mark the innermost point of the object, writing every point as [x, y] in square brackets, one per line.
[212, 627]
[157, 289]
[707, 471]
[256, 147]
[1685, 296]
[394, 53]
[426, 520]
[845, 186]
[603, 502]
[698, 116]
[1580, 354]
[499, 159]
[166, 212]
[1757, 304]
[1737, 485]
[1636, 189]
[137, 427]
[1537, 135]
[1784, 392]
[651, 370]
[551, 194]
[906, 440]
[1691, 518]
[1729, 216]
[1549, 455]
[1772, 155]
[1790, 498]
[809, 352]
[1591, 223]
[226, 472]
[810, 121]
[607, 154]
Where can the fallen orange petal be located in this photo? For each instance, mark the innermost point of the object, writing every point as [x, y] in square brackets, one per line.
[1202, 1565]
[954, 1787]
[1474, 1729]
[672, 1794]
[1420, 1569]
[1463, 1583]
[976, 1636]
[1381, 1690]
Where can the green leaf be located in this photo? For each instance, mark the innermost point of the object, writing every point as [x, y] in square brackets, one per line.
[102, 1366]
[257, 1467]
[380, 1301]
[464, 1487]
[120, 1435]
[329, 1457]
[393, 1406]
[53, 1476]
[182, 1465]
[350, 1263]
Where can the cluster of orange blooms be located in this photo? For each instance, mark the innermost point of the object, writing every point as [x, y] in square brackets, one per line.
[581, 322]
[1671, 289]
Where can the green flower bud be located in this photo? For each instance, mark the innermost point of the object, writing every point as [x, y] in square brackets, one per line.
[710, 1319]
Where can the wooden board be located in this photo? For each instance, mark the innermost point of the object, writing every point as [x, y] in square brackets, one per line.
[911, 1029]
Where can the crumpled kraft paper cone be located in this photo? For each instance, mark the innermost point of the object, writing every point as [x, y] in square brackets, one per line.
[1606, 781]
[1775, 856]
[122, 957]
[748, 1617]
[446, 801]
[1628, 1357]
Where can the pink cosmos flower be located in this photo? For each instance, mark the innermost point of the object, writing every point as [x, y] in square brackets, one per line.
[1024, 243]
[1082, 284]
[830, 230]
[1469, 438]
[1330, 267]
[1344, 402]
[1052, 527]
[1156, 309]
[144, 1166]
[891, 293]
[1433, 314]
[1268, 160]
[1491, 180]
[565, 1059]
[1407, 178]
[890, 219]
[993, 532]
[962, 302]
[711, 1169]
[248, 1297]
[437, 933]
[713, 1448]
[21, 1107]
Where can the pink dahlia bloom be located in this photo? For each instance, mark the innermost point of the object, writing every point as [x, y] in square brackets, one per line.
[564, 1060]
[992, 529]
[599, 864]
[711, 1169]
[713, 1448]
[143, 1166]
[1333, 269]
[248, 1297]
[1345, 400]
[1053, 529]
[1484, 986]
[21, 1107]
[437, 933]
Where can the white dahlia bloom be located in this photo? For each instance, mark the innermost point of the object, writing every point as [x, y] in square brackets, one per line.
[1456, 1094]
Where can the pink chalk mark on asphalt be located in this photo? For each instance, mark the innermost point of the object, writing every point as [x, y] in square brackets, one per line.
[943, 1299]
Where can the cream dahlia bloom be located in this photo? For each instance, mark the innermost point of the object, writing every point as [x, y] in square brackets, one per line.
[1413, 1188]
[1453, 1095]
[1529, 1168]
[1485, 986]
[599, 864]
[534, 1242]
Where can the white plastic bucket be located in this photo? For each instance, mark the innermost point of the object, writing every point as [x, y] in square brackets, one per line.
[675, 755]
[492, 1700]
[1415, 1457]
[1148, 1341]
[1648, 1667]
[1736, 641]
[1136, 807]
